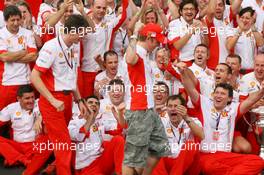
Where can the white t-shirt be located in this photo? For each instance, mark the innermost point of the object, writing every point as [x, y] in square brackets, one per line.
[14, 73]
[245, 47]
[88, 148]
[58, 65]
[177, 29]
[218, 126]
[22, 121]
[177, 136]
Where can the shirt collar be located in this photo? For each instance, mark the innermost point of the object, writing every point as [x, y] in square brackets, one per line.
[63, 45]
[9, 35]
[179, 125]
[198, 67]
[142, 52]
[184, 22]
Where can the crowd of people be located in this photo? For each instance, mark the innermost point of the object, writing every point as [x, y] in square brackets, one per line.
[150, 87]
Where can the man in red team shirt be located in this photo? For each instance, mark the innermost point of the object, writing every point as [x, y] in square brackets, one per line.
[146, 140]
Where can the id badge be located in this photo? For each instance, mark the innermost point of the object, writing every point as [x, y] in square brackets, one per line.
[216, 135]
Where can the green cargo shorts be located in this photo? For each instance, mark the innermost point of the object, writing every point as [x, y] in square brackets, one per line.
[145, 136]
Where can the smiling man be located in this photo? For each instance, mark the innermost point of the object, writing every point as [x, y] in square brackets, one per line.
[111, 72]
[23, 115]
[219, 116]
[17, 49]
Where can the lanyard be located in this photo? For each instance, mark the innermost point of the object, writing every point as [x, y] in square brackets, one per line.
[70, 65]
[180, 131]
[218, 121]
[123, 38]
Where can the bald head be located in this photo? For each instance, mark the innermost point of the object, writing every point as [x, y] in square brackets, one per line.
[259, 67]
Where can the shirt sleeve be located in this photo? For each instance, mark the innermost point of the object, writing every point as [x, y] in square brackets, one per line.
[5, 114]
[76, 130]
[243, 88]
[44, 60]
[3, 45]
[230, 31]
[174, 31]
[31, 43]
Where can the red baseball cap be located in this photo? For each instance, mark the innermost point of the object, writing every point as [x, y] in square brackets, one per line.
[153, 30]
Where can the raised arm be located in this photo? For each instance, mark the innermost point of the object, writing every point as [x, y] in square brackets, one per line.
[189, 82]
[54, 18]
[195, 128]
[211, 10]
[159, 10]
[236, 5]
[131, 56]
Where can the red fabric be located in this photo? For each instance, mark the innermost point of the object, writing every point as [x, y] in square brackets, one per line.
[34, 7]
[172, 71]
[110, 161]
[56, 124]
[179, 165]
[80, 80]
[220, 163]
[8, 95]
[175, 54]
[255, 147]
[47, 77]
[15, 152]
[121, 21]
[40, 157]
[88, 84]
[139, 99]
[213, 46]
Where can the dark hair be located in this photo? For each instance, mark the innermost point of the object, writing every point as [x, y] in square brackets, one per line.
[235, 56]
[59, 4]
[227, 87]
[185, 2]
[245, 10]
[116, 82]
[202, 45]
[75, 22]
[162, 83]
[92, 96]
[25, 4]
[176, 97]
[109, 53]
[229, 69]
[24, 89]
[11, 10]
[117, 7]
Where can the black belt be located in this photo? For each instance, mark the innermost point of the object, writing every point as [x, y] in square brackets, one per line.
[67, 92]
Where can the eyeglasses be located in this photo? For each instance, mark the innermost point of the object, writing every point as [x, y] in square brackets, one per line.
[188, 9]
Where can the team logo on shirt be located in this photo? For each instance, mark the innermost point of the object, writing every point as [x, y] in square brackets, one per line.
[18, 113]
[252, 84]
[107, 108]
[169, 130]
[224, 114]
[157, 75]
[95, 128]
[20, 40]
[196, 72]
[103, 25]
[60, 55]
